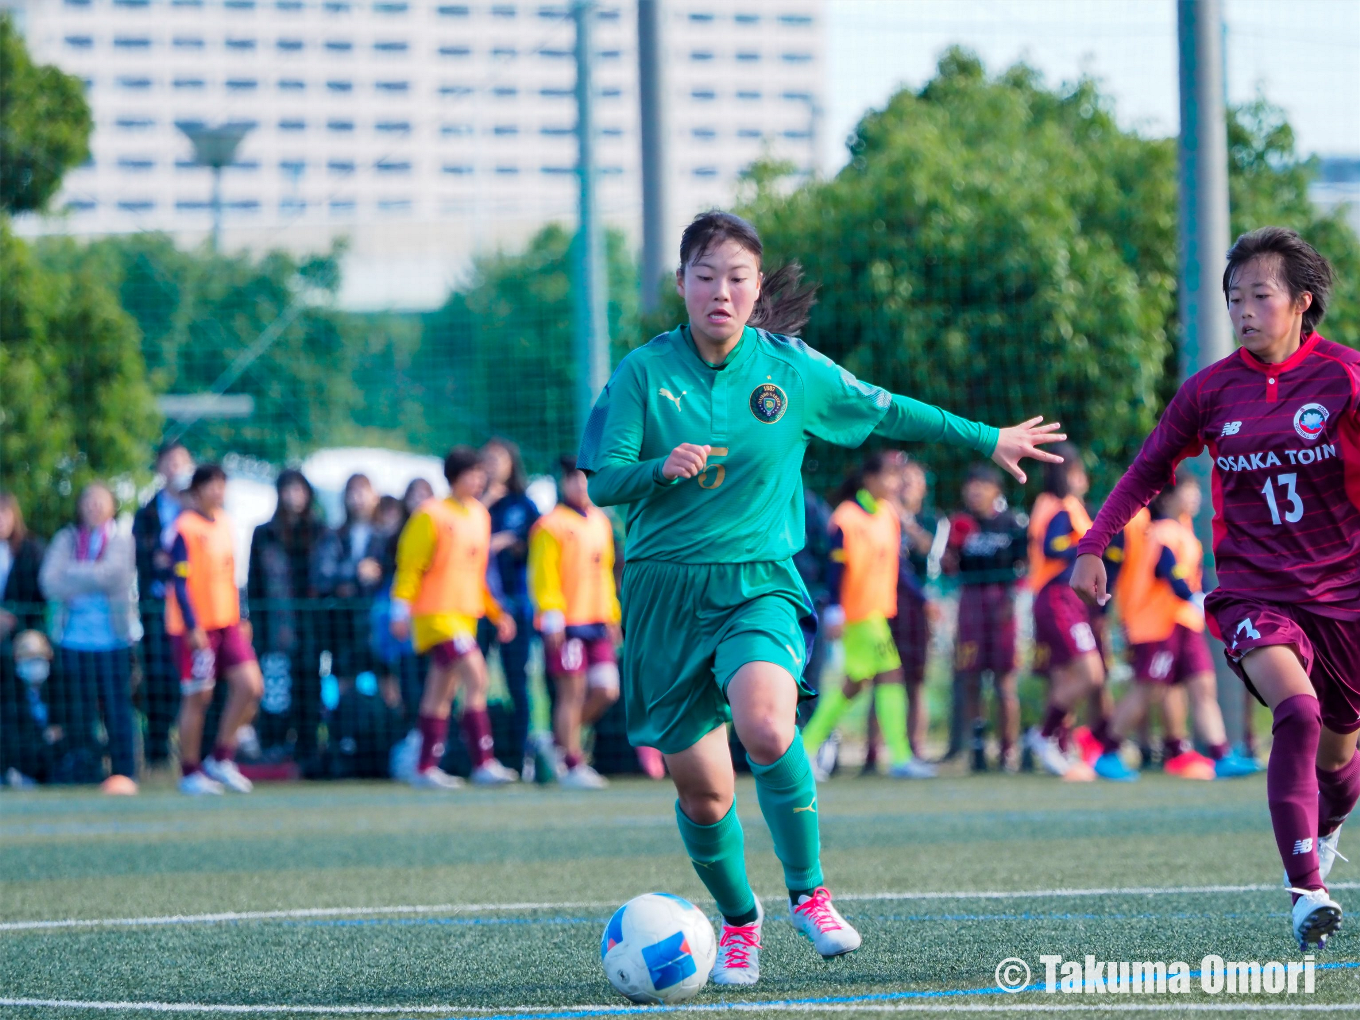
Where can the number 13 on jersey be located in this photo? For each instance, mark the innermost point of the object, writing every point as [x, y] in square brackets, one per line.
[1294, 513]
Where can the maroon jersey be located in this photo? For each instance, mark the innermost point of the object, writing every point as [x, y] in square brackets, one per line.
[1285, 441]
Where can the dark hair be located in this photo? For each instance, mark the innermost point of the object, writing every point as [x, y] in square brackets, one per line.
[169, 447]
[784, 305]
[873, 464]
[1055, 475]
[1302, 268]
[518, 480]
[292, 476]
[205, 473]
[16, 537]
[459, 461]
[983, 473]
[566, 464]
[411, 486]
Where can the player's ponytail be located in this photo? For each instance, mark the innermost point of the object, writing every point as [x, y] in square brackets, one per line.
[1056, 481]
[1303, 270]
[784, 303]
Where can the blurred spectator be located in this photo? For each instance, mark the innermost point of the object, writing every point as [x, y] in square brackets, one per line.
[512, 515]
[90, 571]
[21, 605]
[348, 566]
[282, 551]
[403, 677]
[153, 532]
[28, 732]
[388, 521]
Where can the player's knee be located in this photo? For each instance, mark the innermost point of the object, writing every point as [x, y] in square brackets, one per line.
[766, 740]
[251, 682]
[705, 805]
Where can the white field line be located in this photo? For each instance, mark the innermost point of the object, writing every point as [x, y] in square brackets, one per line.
[490, 908]
[781, 1006]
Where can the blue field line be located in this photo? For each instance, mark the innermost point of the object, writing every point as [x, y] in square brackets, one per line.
[830, 1000]
[469, 922]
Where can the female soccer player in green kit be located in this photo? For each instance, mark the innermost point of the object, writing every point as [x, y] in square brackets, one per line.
[702, 432]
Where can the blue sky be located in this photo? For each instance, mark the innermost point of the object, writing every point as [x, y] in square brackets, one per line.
[1303, 54]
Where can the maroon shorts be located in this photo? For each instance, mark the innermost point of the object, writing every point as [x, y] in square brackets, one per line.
[199, 670]
[911, 634]
[986, 634]
[446, 653]
[1174, 660]
[1062, 627]
[1328, 648]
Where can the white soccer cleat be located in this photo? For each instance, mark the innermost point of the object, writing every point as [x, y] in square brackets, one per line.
[825, 759]
[1047, 752]
[1315, 916]
[226, 773]
[1328, 853]
[913, 768]
[582, 777]
[493, 773]
[739, 952]
[815, 917]
[435, 778]
[196, 784]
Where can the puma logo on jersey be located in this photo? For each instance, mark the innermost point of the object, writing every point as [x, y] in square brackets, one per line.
[671, 396]
[811, 807]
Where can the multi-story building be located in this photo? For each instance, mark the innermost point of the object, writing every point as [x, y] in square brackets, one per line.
[422, 132]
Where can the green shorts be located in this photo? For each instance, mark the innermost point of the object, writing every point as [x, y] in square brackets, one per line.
[688, 628]
[869, 648]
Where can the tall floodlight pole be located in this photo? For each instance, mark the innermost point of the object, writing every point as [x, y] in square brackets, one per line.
[1206, 334]
[215, 148]
[652, 97]
[590, 306]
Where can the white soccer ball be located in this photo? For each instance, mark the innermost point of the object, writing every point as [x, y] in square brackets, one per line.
[658, 948]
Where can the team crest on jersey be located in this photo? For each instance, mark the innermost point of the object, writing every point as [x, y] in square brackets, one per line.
[768, 403]
[1310, 421]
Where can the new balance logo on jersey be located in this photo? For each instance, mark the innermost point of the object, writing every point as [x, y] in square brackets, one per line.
[1303, 846]
[671, 396]
[1231, 428]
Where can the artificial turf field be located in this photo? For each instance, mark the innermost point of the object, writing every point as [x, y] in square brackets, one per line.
[491, 903]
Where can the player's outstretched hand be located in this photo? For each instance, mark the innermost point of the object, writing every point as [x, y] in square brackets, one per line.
[685, 461]
[1023, 440]
[1088, 578]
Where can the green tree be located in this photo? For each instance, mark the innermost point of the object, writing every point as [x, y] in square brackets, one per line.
[45, 125]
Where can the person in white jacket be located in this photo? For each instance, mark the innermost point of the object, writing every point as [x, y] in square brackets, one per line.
[90, 573]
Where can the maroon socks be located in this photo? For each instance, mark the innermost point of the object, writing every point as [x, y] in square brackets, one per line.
[188, 768]
[433, 732]
[1217, 752]
[477, 735]
[1292, 787]
[1053, 720]
[1173, 747]
[1337, 794]
[221, 752]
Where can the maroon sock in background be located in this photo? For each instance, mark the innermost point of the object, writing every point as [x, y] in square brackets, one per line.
[433, 732]
[1173, 747]
[1101, 731]
[221, 752]
[477, 734]
[1053, 720]
[1337, 794]
[1292, 788]
[1219, 751]
[188, 768]
[572, 760]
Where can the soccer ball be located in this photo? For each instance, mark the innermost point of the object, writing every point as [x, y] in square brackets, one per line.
[658, 948]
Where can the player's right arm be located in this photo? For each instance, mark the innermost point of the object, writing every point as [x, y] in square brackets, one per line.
[1176, 437]
[834, 616]
[415, 550]
[179, 572]
[545, 584]
[612, 444]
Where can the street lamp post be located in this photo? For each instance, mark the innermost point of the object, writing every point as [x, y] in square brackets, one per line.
[215, 147]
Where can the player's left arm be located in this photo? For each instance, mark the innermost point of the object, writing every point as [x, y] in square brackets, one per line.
[1174, 574]
[612, 443]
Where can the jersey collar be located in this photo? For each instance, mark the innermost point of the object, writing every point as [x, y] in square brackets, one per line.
[1291, 362]
[737, 355]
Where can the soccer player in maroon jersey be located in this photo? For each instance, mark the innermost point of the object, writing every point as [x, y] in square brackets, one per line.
[1281, 420]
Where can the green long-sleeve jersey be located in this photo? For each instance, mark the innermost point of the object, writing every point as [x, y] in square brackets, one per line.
[757, 410]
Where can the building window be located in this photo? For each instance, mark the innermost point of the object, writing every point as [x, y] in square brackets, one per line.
[505, 91]
[504, 52]
[340, 125]
[705, 171]
[289, 5]
[799, 97]
[132, 3]
[503, 11]
[453, 10]
[612, 132]
[79, 42]
[394, 127]
[390, 47]
[705, 133]
[341, 166]
[748, 57]
[748, 94]
[339, 45]
[609, 15]
[507, 171]
[797, 58]
[394, 205]
[135, 123]
[455, 90]
[295, 167]
[291, 85]
[556, 93]
[239, 5]
[746, 19]
[136, 163]
[801, 20]
[502, 130]
[557, 169]
[77, 3]
[336, 7]
[457, 169]
[610, 54]
[128, 43]
[611, 93]
[390, 8]
[188, 42]
[455, 51]
[551, 53]
[292, 205]
[81, 205]
[750, 133]
[703, 95]
[240, 44]
[189, 83]
[243, 205]
[289, 45]
[552, 12]
[241, 84]
[186, 3]
[455, 130]
[700, 55]
[340, 86]
[556, 132]
[343, 205]
[292, 125]
[136, 205]
[392, 86]
[797, 134]
[392, 166]
[134, 83]
[700, 17]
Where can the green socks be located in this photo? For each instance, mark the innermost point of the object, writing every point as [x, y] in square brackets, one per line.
[831, 705]
[788, 800]
[718, 853]
[890, 704]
